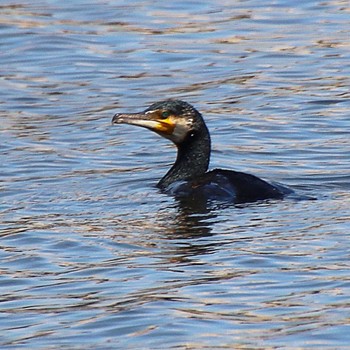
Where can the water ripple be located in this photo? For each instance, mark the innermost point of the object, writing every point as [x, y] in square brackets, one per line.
[93, 255]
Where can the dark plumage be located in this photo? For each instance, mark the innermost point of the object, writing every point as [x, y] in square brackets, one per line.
[181, 123]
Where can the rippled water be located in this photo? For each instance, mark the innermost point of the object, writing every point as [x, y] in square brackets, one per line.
[93, 256]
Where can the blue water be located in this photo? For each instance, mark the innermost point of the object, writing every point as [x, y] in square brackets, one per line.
[93, 256]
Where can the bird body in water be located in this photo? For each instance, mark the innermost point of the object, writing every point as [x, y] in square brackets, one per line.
[181, 123]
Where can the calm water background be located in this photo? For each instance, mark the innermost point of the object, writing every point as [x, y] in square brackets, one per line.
[92, 255]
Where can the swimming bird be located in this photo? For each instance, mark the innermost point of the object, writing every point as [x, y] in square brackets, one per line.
[182, 124]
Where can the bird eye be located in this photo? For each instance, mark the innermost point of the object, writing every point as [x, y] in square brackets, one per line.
[165, 115]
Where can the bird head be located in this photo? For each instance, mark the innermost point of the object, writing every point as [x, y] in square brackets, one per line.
[172, 119]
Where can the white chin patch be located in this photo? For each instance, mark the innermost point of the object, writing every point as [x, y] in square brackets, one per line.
[181, 130]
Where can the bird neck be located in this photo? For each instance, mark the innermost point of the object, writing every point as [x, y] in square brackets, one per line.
[192, 160]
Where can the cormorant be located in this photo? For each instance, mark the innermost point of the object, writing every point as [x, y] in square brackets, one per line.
[181, 123]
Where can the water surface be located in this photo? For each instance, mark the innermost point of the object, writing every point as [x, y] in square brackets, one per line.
[93, 256]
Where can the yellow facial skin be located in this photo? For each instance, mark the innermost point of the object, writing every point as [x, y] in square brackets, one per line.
[161, 121]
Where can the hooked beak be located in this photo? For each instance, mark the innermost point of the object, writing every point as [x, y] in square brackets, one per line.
[151, 120]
